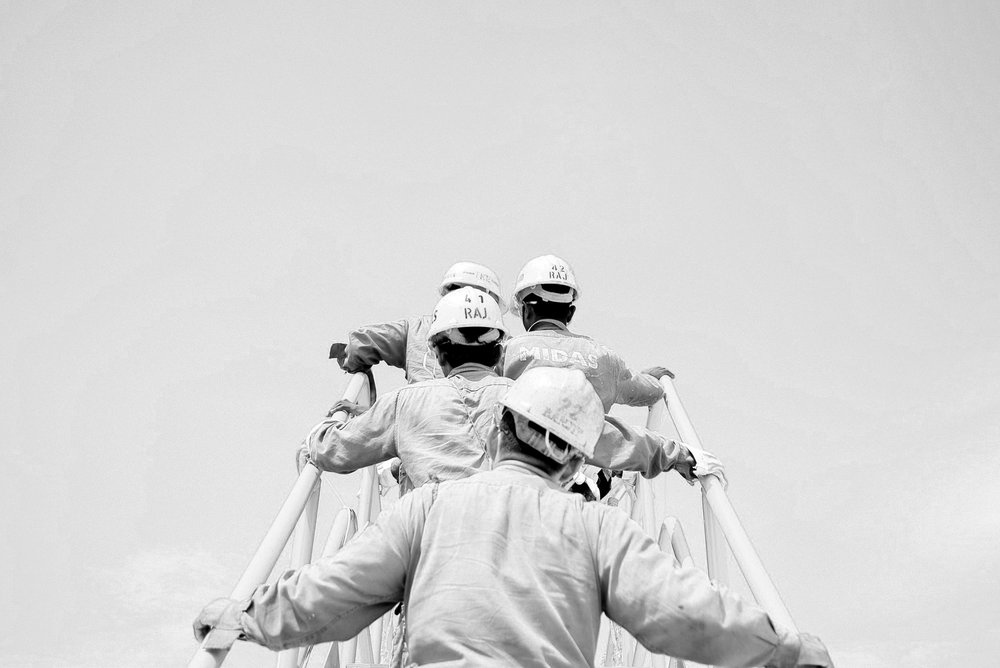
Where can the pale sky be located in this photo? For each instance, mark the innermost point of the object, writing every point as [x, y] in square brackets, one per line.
[794, 206]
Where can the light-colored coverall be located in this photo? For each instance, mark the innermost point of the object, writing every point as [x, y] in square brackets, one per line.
[443, 429]
[503, 569]
[605, 369]
[402, 344]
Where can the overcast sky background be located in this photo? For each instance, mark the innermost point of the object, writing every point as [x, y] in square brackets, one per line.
[794, 206]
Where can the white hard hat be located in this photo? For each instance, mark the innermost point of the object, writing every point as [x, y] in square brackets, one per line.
[474, 274]
[563, 403]
[541, 271]
[467, 307]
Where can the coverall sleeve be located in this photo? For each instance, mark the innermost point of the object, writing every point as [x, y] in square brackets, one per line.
[679, 611]
[629, 448]
[636, 389]
[335, 598]
[362, 441]
[371, 344]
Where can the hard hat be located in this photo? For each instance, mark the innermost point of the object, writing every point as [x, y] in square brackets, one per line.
[545, 270]
[474, 274]
[556, 402]
[464, 308]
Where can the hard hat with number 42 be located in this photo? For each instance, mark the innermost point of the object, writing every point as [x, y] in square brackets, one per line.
[467, 308]
[545, 270]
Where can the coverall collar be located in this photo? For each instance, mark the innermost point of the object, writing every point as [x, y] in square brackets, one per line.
[548, 323]
[526, 469]
[472, 371]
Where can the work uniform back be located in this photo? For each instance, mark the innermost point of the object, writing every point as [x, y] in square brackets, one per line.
[605, 369]
[440, 429]
[504, 569]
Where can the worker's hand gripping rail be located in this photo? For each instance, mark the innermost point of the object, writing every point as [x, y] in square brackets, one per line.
[718, 504]
[266, 556]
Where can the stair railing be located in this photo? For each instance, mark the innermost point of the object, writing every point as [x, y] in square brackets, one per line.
[723, 533]
[299, 507]
[722, 527]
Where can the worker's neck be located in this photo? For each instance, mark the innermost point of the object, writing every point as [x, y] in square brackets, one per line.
[525, 462]
[468, 369]
[547, 324]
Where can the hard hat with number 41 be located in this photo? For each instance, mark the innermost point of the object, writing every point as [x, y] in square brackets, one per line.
[467, 308]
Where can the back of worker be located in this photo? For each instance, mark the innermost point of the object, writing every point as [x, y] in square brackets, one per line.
[529, 568]
[544, 296]
[524, 547]
[403, 343]
[607, 372]
[439, 428]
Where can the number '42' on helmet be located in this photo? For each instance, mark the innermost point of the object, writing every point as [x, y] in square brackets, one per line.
[541, 271]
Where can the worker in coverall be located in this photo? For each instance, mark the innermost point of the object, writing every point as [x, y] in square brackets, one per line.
[403, 343]
[544, 296]
[443, 429]
[505, 569]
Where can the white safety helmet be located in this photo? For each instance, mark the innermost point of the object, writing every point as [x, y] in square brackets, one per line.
[556, 411]
[541, 271]
[471, 273]
[463, 308]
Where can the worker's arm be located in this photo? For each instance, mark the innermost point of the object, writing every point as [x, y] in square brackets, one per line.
[364, 440]
[637, 389]
[371, 344]
[628, 448]
[332, 599]
[681, 613]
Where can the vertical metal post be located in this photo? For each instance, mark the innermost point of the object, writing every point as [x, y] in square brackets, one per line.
[345, 525]
[603, 638]
[368, 493]
[673, 540]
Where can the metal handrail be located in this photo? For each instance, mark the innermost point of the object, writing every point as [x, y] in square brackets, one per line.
[274, 541]
[716, 505]
[723, 532]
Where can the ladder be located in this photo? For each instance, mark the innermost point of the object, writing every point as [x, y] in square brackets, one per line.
[372, 647]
